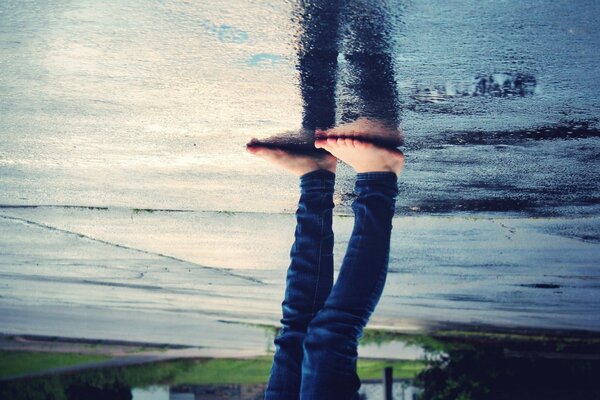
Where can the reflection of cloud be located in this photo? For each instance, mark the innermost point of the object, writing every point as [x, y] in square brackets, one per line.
[225, 33]
[264, 60]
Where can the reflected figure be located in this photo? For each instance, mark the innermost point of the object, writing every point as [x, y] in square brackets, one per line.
[316, 349]
[343, 45]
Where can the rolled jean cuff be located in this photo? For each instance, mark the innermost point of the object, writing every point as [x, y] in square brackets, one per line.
[385, 182]
[319, 180]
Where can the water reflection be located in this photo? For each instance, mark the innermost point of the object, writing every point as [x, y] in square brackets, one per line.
[346, 74]
[494, 85]
[401, 390]
[356, 33]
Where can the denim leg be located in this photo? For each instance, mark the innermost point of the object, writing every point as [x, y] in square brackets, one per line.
[308, 283]
[330, 346]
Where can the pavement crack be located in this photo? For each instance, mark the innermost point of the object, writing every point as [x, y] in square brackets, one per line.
[121, 246]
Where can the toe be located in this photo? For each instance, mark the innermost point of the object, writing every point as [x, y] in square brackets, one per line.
[360, 144]
[320, 143]
[253, 142]
[278, 153]
[252, 149]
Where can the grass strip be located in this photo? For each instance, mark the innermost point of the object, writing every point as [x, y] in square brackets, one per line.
[22, 362]
[205, 371]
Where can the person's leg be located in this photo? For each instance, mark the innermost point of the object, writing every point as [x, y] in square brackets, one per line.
[310, 273]
[330, 346]
[309, 281]
[369, 88]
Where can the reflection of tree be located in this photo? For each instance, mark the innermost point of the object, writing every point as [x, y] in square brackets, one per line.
[114, 392]
[486, 373]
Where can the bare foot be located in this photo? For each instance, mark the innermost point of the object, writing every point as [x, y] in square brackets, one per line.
[367, 129]
[363, 156]
[300, 141]
[297, 164]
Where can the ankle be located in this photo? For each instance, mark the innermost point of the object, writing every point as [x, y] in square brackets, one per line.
[318, 180]
[318, 174]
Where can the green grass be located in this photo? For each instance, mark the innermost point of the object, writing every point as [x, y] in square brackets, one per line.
[212, 371]
[223, 371]
[20, 362]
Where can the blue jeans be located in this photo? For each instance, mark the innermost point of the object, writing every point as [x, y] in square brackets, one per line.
[316, 349]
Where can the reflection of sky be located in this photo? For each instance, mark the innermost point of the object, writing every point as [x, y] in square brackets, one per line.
[398, 349]
[152, 393]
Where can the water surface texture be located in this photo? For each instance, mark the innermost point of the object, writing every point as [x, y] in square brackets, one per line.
[125, 188]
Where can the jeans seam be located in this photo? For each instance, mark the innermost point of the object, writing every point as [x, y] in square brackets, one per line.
[322, 224]
[362, 224]
[379, 286]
